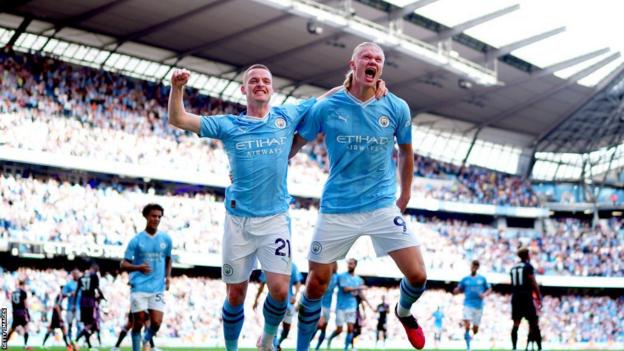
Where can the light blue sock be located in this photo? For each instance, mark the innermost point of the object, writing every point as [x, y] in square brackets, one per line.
[409, 294]
[309, 315]
[467, 338]
[233, 318]
[136, 341]
[348, 341]
[273, 312]
[148, 335]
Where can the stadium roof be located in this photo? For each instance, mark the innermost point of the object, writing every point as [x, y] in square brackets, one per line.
[528, 99]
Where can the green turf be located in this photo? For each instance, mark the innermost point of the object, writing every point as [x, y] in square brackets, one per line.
[221, 349]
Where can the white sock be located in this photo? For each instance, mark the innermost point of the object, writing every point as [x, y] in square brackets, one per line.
[403, 312]
[267, 341]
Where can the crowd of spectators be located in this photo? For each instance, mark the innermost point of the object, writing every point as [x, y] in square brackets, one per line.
[46, 209]
[192, 314]
[560, 247]
[49, 105]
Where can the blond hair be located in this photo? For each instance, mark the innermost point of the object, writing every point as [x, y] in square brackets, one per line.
[349, 76]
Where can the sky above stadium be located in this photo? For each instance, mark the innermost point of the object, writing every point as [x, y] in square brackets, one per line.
[590, 25]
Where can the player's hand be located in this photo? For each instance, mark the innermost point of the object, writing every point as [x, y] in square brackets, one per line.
[145, 268]
[293, 300]
[179, 78]
[402, 202]
[381, 89]
[167, 283]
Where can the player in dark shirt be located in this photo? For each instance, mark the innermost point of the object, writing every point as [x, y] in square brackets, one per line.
[382, 321]
[360, 316]
[21, 317]
[526, 299]
[90, 295]
[57, 319]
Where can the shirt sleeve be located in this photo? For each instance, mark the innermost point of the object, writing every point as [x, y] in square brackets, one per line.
[298, 112]
[404, 124]
[462, 284]
[169, 246]
[212, 126]
[129, 254]
[312, 124]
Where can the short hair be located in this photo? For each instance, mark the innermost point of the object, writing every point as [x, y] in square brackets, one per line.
[476, 263]
[354, 261]
[523, 253]
[255, 66]
[150, 207]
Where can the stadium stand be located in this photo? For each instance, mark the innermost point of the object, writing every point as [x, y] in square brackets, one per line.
[105, 214]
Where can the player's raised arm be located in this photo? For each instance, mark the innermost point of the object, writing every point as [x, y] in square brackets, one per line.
[178, 116]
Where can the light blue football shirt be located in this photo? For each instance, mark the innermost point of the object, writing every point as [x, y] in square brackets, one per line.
[68, 290]
[153, 250]
[360, 139]
[472, 287]
[328, 296]
[438, 316]
[295, 277]
[347, 300]
[257, 150]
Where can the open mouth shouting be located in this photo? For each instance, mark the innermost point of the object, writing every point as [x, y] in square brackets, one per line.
[370, 73]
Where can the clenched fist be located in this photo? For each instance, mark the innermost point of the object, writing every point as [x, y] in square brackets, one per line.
[179, 78]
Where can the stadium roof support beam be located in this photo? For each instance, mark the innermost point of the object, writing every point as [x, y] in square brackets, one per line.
[409, 8]
[161, 25]
[446, 34]
[311, 79]
[20, 29]
[542, 137]
[491, 55]
[10, 5]
[229, 37]
[537, 98]
[280, 55]
[480, 91]
[81, 17]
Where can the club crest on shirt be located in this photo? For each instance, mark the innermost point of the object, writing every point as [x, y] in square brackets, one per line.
[162, 245]
[384, 121]
[280, 123]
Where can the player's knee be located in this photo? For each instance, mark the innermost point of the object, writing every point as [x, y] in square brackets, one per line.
[280, 293]
[316, 286]
[236, 295]
[417, 277]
